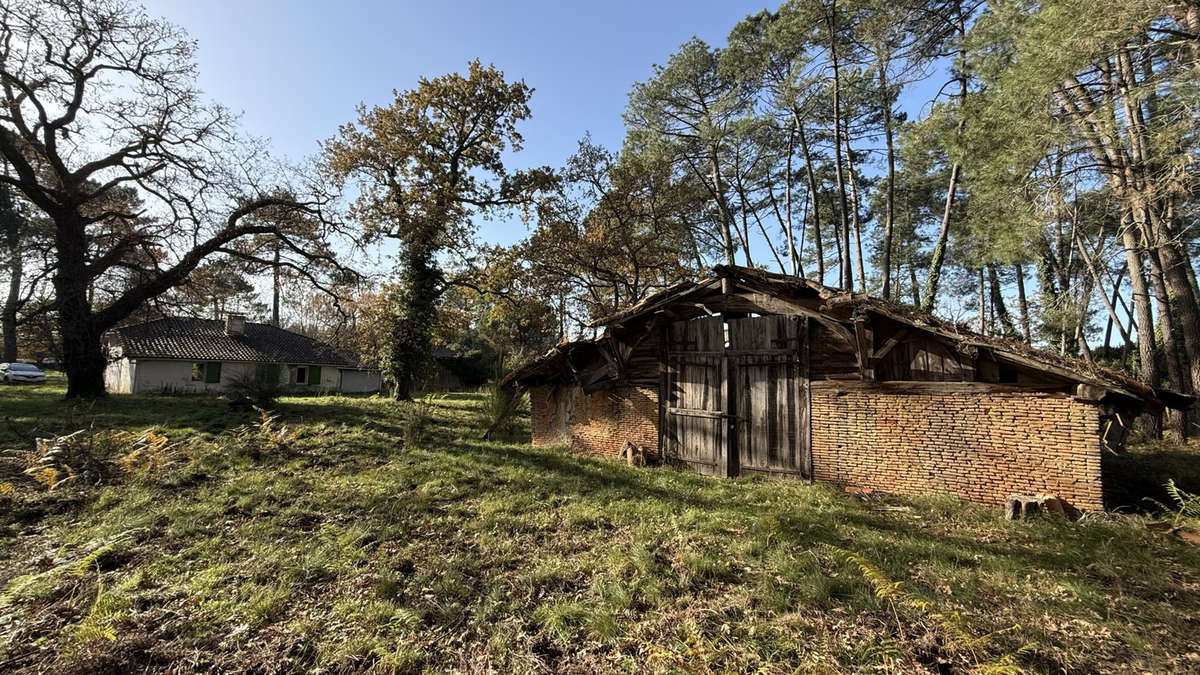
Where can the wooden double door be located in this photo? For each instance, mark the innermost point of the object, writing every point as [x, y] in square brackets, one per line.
[736, 396]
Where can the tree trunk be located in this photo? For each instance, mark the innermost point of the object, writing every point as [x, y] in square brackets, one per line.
[16, 267]
[83, 357]
[837, 242]
[862, 272]
[847, 270]
[1023, 305]
[1184, 302]
[939, 248]
[793, 256]
[818, 245]
[999, 308]
[1112, 315]
[275, 289]
[1144, 319]
[890, 193]
[1176, 375]
[982, 305]
[722, 209]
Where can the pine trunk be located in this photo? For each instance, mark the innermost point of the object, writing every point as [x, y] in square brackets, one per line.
[890, 193]
[818, 244]
[1144, 319]
[1023, 305]
[847, 270]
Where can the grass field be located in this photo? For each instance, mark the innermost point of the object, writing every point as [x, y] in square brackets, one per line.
[370, 535]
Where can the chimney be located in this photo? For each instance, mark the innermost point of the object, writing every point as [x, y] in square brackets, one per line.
[235, 324]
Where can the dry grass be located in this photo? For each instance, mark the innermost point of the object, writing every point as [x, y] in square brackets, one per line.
[328, 543]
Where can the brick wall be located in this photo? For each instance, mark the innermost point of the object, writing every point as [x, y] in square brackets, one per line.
[980, 447]
[595, 424]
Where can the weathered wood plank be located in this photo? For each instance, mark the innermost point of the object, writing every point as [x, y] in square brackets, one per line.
[926, 387]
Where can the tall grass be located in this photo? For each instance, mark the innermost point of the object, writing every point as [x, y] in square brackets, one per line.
[499, 411]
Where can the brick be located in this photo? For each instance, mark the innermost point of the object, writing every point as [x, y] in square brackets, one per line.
[980, 447]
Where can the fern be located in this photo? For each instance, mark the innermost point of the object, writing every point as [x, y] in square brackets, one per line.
[954, 626]
[1187, 504]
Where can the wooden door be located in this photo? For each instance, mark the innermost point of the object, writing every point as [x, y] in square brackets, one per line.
[695, 395]
[769, 370]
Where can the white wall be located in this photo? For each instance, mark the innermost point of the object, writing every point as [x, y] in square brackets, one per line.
[361, 381]
[149, 376]
[330, 380]
[154, 377]
[118, 376]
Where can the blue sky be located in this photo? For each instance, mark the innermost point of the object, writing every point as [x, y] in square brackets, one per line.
[296, 70]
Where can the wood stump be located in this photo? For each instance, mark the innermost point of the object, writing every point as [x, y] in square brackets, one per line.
[1023, 507]
[633, 454]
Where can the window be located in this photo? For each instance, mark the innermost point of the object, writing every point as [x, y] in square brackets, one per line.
[310, 375]
[208, 372]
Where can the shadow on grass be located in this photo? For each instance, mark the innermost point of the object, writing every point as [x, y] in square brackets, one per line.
[1135, 477]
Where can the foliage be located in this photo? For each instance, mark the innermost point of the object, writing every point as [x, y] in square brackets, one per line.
[268, 434]
[262, 386]
[955, 627]
[417, 420]
[64, 460]
[425, 166]
[497, 410]
[146, 453]
[1187, 504]
[616, 230]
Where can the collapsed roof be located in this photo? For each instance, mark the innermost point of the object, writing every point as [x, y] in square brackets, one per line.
[744, 290]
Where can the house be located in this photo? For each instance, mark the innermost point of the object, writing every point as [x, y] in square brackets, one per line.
[184, 355]
[754, 373]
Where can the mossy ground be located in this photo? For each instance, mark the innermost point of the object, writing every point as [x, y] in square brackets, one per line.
[348, 549]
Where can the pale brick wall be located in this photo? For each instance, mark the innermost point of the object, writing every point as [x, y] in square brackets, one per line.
[595, 424]
[980, 447]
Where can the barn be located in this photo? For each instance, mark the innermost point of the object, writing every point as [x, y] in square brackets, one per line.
[753, 373]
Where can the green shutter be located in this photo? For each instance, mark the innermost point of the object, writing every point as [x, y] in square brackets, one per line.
[212, 372]
[314, 375]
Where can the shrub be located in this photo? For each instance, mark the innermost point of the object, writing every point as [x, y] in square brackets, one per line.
[497, 415]
[262, 386]
[417, 418]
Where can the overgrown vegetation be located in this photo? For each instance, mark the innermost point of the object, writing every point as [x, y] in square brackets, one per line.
[262, 386]
[320, 536]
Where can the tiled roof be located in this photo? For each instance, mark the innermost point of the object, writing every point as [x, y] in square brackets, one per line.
[205, 340]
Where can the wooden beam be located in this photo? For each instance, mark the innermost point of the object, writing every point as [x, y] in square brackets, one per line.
[888, 346]
[849, 386]
[690, 412]
[862, 348]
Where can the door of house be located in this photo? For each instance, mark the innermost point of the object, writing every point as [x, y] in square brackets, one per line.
[770, 371]
[695, 431]
[736, 396]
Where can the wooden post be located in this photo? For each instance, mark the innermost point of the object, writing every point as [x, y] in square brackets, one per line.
[805, 333]
[728, 395]
[664, 385]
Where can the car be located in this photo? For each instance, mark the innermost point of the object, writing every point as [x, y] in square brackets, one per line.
[14, 373]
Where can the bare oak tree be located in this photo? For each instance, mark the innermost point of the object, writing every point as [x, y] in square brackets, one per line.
[97, 97]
